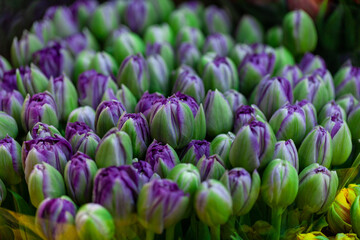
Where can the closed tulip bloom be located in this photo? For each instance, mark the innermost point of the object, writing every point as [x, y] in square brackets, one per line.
[145, 172]
[63, 20]
[253, 146]
[329, 109]
[82, 10]
[353, 120]
[310, 62]
[146, 102]
[104, 63]
[286, 150]
[188, 54]
[11, 103]
[283, 57]
[183, 17]
[82, 63]
[274, 36]
[125, 96]
[245, 115]
[162, 157]
[191, 84]
[211, 167]
[115, 149]
[319, 179]
[81, 41]
[8, 126]
[10, 159]
[292, 73]
[22, 48]
[54, 151]
[79, 175]
[187, 176]
[217, 20]
[310, 114]
[4, 66]
[190, 35]
[165, 50]
[139, 22]
[249, 30]
[107, 116]
[347, 102]
[30, 80]
[42, 130]
[346, 81]
[239, 52]
[159, 74]
[41, 107]
[235, 99]
[159, 33]
[195, 150]
[221, 145]
[74, 130]
[45, 182]
[8, 80]
[328, 79]
[44, 29]
[218, 43]
[103, 20]
[125, 44]
[163, 8]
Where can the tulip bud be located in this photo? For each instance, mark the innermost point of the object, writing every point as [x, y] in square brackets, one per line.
[274, 36]
[272, 93]
[44, 29]
[86, 143]
[161, 205]
[104, 63]
[183, 17]
[159, 74]
[190, 35]
[279, 185]
[146, 102]
[22, 48]
[217, 20]
[204, 60]
[283, 57]
[79, 175]
[162, 157]
[103, 20]
[354, 215]
[190, 84]
[235, 99]
[127, 44]
[45, 182]
[117, 188]
[41, 107]
[187, 177]
[353, 122]
[65, 95]
[211, 167]
[253, 146]
[63, 20]
[11, 171]
[8, 81]
[286, 150]
[341, 138]
[42, 130]
[220, 74]
[239, 52]
[289, 122]
[209, 194]
[159, 33]
[329, 109]
[165, 50]
[139, 22]
[249, 30]
[74, 130]
[253, 69]
[163, 8]
[82, 10]
[195, 150]
[137, 127]
[116, 35]
[218, 43]
[245, 115]
[346, 81]
[126, 97]
[309, 63]
[314, 89]
[115, 149]
[221, 145]
[11, 103]
[347, 102]
[219, 116]
[55, 218]
[316, 178]
[30, 80]
[82, 63]
[4, 66]
[310, 114]
[145, 172]
[292, 73]
[188, 54]
[299, 32]
[107, 115]
[81, 41]
[83, 114]
[244, 189]
[54, 60]
[8, 126]
[328, 79]
[2, 191]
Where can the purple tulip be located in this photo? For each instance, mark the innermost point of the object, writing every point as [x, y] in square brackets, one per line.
[195, 150]
[327, 78]
[311, 62]
[11, 103]
[347, 80]
[144, 170]
[245, 115]
[286, 150]
[291, 73]
[329, 109]
[165, 50]
[8, 81]
[82, 10]
[146, 102]
[217, 20]
[63, 19]
[218, 43]
[211, 167]
[83, 114]
[235, 99]
[107, 116]
[190, 84]
[347, 102]
[43, 130]
[188, 53]
[76, 129]
[86, 143]
[139, 15]
[11, 171]
[310, 114]
[79, 42]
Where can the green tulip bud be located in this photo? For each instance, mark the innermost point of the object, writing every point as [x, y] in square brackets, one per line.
[274, 36]
[8, 126]
[249, 30]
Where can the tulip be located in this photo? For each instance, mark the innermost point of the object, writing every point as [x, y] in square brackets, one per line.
[65, 95]
[299, 32]
[353, 122]
[146, 102]
[8, 81]
[128, 99]
[63, 20]
[211, 167]
[93, 222]
[195, 150]
[54, 151]
[181, 69]
[74, 130]
[329, 109]
[82, 10]
[137, 127]
[346, 81]
[272, 93]
[310, 114]
[292, 73]
[253, 146]
[196, 7]
[235, 99]
[190, 84]
[217, 20]
[45, 182]
[86, 143]
[55, 218]
[187, 177]
[53, 60]
[104, 63]
[218, 43]
[245, 115]
[83, 114]
[92, 86]
[145, 172]
[11, 103]
[107, 115]
[116, 35]
[183, 17]
[249, 30]
[286, 150]
[289, 122]
[125, 45]
[159, 33]
[11, 171]
[42, 130]
[79, 174]
[103, 20]
[347, 102]
[316, 178]
[190, 35]
[220, 74]
[41, 107]
[283, 57]
[82, 63]
[341, 138]
[22, 48]
[159, 74]
[44, 29]
[328, 79]
[115, 149]
[162, 157]
[165, 50]
[188, 54]
[219, 116]
[139, 22]
[354, 215]
[2, 191]
[221, 145]
[309, 63]
[81, 41]
[274, 36]
[30, 80]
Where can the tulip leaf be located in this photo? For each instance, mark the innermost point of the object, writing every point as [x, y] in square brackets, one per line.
[347, 175]
[21, 205]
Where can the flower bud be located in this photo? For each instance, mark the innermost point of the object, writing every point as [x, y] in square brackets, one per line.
[139, 22]
[165, 50]
[353, 122]
[310, 114]
[137, 127]
[2, 191]
[253, 146]
[115, 149]
[316, 179]
[55, 218]
[162, 157]
[209, 194]
[244, 189]
[239, 52]
[329, 109]
[292, 73]
[195, 150]
[190, 84]
[187, 177]
[235, 99]
[45, 182]
[217, 20]
[22, 48]
[8, 126]
[8, 81]
[218, 43]
[272, 93]
[283, 57]
[63, 20]
[65, 95]
[11, 171]
[127, 44]
[188, 54]
[74, 130]
[79, 175]
[190, 35]
[161, 205]
[145, 172]
[11, 103]
[346, 81]
[159, 74]
[341, 138]
[126, 97]
[82, 63]
[328, 79]
[300, 35]
[83, 114]
[219, 116]
[42, 130]
[44, 29]
[289, 122]
[245, 115]
[104, 63]
[310, 62]
[82, 10]
[103, 20]
[159, 33]
[274, 36]
[117, 34]
[211, 167]
[221, 145]
[354, 215]
[279, 185]
[86, 143]
[286, 150]
[81, 41]
[146, 102]
[30, 80]
[163, 8]
[249, 30]
[41, 107]
[347, 102]
[4, 66]
[183, 17]
[107, 115]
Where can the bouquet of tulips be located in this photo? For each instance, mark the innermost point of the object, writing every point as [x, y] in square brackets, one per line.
[142, 120]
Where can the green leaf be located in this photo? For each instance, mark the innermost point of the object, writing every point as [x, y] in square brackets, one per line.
[347, 175]
[21, 206]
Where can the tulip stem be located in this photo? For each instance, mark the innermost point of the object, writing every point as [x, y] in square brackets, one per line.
[276, 222]
[215, 232]
[149, 235]
[170, 233]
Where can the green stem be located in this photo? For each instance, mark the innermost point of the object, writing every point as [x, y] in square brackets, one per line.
[215, 232]
[170, 233]
[149, 235]
[276, 222]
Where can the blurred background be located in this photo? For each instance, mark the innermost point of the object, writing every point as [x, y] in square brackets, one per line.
[338, 22]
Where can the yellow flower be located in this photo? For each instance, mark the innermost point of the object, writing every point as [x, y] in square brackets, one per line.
[310, 236]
